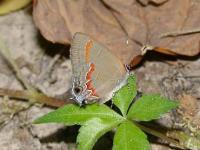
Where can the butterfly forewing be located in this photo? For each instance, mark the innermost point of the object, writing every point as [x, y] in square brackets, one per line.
[79, 66]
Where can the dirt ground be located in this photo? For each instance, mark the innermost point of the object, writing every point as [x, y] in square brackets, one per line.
[34, 55]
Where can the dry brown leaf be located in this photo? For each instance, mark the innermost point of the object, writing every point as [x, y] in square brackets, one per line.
[59, 20]
[122, 25]
[176, 15]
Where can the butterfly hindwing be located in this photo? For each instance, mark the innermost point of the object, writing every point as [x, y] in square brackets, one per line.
[95, 67]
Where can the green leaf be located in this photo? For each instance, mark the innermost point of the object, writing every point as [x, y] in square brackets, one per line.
[7, 6]
[91, 131]
[73, 114]
[130, 137]
[123, 98]
[150, 107]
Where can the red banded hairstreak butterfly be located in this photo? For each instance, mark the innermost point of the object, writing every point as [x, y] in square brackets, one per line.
[97, 73]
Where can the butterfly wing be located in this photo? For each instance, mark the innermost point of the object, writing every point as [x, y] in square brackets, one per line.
[96, 68]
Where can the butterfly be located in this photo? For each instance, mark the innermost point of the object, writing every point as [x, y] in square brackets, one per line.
[97, 73]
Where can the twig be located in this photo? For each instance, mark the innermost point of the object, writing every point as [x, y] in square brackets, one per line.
[180, 33]
[40, 98]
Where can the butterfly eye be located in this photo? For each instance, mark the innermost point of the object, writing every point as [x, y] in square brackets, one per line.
[77, 90]
[85, 102]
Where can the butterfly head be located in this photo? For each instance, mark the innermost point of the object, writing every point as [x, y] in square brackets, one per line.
[79, 95]
[82, 95]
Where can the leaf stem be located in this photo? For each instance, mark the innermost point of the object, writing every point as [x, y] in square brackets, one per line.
[159, 134]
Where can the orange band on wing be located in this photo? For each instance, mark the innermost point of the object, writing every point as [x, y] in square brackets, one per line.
[88, 46]
[89, 80]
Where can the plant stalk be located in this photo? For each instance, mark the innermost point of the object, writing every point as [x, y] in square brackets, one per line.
[40, 98]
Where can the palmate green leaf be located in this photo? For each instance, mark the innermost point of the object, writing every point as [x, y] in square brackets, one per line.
[130, 137]
[123, 98]
[91, 131]
[150, 107]
[73, 114]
